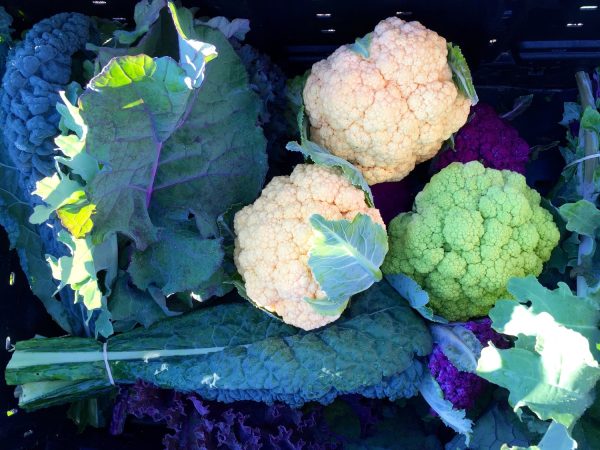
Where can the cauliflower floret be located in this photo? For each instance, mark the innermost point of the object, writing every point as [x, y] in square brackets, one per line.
[471, 230]
[390, 111]
[274, 237]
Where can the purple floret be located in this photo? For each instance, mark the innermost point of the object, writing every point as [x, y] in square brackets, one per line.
[199, 424]
[463, 388]
[489, 139]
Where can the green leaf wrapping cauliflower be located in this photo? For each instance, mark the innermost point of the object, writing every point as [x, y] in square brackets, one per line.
[470, 231]
[387, 102]
[285, 242]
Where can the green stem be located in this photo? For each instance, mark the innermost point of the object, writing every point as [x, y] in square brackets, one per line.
[590, 138]
[587, 168]
[28, 359]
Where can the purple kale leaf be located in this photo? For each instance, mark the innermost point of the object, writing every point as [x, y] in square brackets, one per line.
[195, 423]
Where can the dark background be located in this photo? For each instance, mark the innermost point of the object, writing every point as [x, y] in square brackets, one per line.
[523, 43]
[513, 48]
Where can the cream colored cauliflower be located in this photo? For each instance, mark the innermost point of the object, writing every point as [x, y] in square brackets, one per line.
[274, 237]
[390, 111]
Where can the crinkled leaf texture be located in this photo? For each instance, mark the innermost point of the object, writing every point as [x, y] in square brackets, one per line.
[552, 369]
[15, 210]
[235, 352]
[345, 258]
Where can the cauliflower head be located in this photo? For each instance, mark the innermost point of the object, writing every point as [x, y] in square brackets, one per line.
[489, 139]
[470, 231]
[388, 111]
[274, 238]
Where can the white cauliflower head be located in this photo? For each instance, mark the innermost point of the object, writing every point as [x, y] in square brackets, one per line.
[390, 111]
[274, 237]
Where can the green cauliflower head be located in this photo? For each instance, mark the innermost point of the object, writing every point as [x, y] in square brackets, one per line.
[470, 231]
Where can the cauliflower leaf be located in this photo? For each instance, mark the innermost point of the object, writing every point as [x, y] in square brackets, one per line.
[345, 258]
[556, 438]
[498, 426]
[149, 155]
[552, 369]
[454, 418]
[361, 45]
[459, 344]
[582, 217]
[414, 294]
[461, 74]
[322, 157]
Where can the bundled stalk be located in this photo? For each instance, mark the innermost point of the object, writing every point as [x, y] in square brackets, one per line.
[236, 352]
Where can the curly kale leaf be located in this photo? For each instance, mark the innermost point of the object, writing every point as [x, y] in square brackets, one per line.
[15, 210]
[5, 38]
[196, 423]
[37, 69]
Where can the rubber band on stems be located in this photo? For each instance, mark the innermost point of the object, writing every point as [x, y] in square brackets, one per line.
[105, 356]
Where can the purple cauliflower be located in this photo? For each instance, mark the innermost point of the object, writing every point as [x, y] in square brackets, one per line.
[488, 139]
[200, 424]
[463, 388]
[395, 197]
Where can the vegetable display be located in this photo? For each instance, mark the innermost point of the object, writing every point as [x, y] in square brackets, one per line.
[204, 231]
